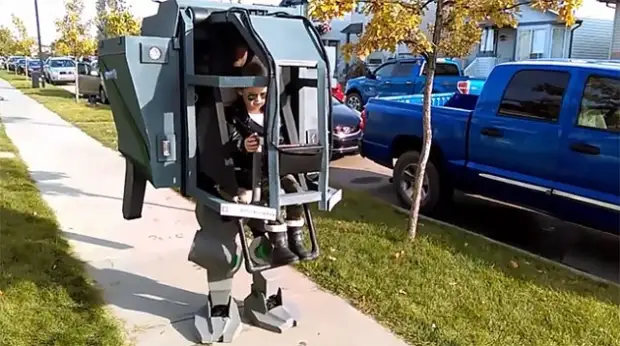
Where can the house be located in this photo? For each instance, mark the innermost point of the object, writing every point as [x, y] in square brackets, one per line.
[540, 35]
[614, 50]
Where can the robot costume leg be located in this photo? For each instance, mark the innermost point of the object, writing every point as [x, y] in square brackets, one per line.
[215, 248]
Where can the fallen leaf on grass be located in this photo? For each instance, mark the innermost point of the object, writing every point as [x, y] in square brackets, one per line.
[398, 254]
[514, 264]
[331, 249]
[331, 258]
[402, 292]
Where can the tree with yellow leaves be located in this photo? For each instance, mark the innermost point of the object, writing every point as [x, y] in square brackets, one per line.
[22, 43]
[456, 28]
[114, 19]
[74, 39]
[7, 41]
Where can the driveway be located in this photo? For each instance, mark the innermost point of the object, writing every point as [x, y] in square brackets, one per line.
[584, 249]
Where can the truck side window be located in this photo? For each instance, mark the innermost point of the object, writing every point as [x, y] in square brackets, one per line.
[600, 104]
[385, 70]
[535, 94]
[444, 69]
[403, 69]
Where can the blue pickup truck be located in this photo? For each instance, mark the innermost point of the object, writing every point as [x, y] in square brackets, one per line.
[407, 77]
[542, 134]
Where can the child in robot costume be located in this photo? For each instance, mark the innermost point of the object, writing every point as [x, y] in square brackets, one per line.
[246, 119]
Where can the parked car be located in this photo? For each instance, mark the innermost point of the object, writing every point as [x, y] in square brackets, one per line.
[90, 82]
[407, 77]
[542, 134]
[346, 131]
[20, 65]
[11, 63]
[33, 65]
[59, 70]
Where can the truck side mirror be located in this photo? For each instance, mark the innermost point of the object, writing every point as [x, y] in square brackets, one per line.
[370, 75]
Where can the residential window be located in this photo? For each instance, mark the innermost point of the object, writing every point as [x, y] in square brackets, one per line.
[557, 42]
[600, 104]
[539, 41]
[487, 41]
[535, 94]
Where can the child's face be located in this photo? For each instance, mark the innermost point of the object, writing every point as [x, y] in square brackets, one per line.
[254, 98]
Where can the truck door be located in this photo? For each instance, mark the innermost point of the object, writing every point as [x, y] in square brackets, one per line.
[404, 77]
[589, 166]
[515, 136]
[383, 77]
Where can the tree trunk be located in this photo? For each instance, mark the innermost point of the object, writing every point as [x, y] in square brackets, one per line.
[431, 61]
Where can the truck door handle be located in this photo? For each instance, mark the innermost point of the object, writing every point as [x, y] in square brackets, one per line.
[408, 82]
[585, 148]
[491, 132]
[387, 82]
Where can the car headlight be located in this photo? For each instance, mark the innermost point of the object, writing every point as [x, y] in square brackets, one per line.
[343, 130]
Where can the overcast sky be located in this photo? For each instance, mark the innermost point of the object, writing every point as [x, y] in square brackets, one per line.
[50, 10]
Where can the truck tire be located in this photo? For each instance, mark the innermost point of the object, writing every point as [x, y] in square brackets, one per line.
[435, 193]
[354, 101]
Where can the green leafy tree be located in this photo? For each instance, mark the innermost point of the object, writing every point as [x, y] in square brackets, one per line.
[73, 32]
[454, 30]
[23, 43]
[7, 41]
[114, 19]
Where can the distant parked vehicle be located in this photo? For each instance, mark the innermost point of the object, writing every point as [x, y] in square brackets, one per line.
[59, 70]
[20, 66]
[33, 66]
[90, 82]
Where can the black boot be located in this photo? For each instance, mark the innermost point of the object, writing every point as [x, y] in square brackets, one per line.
[281, 254]
[296, 242]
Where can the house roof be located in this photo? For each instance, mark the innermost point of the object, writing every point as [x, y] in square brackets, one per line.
[353, 28]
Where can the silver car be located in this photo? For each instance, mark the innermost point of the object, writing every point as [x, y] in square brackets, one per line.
[59, 70]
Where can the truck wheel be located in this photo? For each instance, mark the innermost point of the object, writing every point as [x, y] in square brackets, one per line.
[354, 101]
[404, 180]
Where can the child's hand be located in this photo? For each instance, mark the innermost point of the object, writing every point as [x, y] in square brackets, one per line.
[251, 143]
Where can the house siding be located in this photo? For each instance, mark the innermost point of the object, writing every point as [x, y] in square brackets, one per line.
[593, 39]
[615, 44]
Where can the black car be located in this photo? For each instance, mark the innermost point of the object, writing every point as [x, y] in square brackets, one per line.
[347, 134]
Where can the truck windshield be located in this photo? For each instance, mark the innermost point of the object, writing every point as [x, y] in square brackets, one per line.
[62, 63]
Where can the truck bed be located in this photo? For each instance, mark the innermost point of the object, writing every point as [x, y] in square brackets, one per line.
[398, 118]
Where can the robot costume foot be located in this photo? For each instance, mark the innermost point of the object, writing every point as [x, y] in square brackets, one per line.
[219, 323]
[267, 308]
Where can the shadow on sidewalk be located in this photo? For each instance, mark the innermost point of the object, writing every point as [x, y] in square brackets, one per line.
[49, 184]
[138, 293]
[514, 226]
[12, 119]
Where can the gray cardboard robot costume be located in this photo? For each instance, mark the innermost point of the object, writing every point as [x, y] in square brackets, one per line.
[168, 89]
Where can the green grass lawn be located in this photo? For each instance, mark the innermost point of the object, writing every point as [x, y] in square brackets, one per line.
[96, 121]
[446, 288]
[45, 297]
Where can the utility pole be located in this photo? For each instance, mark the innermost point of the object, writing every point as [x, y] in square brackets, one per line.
[36, 14]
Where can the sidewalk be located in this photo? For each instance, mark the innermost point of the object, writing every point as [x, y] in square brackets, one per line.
[142, 264]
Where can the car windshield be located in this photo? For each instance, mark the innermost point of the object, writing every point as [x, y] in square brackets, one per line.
[21, 61]
[34, 63]
[62, 63]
